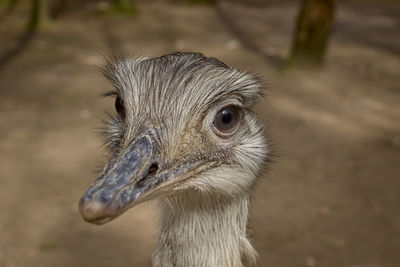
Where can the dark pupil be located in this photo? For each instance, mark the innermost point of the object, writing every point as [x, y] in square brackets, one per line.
[226, 119]
[119, 106]
[226, 116]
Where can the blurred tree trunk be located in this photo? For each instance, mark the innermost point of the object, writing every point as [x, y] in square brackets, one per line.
[39, 15]
[314, 26]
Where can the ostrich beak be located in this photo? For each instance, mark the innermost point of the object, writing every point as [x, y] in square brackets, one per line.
[132, 178]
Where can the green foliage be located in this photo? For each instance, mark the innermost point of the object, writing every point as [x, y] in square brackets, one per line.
[7, 8]
[203, 2]
[124, 6]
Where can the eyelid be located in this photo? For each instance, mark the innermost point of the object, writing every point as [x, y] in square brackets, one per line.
[231, 102]
[110, 93]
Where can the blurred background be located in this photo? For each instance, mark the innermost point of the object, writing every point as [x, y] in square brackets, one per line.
[332, 104]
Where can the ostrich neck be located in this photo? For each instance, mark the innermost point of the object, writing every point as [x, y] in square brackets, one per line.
[203, 230]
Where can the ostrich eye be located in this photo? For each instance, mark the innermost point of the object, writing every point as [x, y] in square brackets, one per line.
[227, 119]
[119, 107]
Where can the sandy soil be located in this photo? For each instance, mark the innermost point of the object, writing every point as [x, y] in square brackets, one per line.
[331, 199]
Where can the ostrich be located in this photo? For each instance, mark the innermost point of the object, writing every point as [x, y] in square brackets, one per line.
[183, 133]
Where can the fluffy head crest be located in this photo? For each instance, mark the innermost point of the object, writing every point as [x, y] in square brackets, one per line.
[183, 83]
[177, 95]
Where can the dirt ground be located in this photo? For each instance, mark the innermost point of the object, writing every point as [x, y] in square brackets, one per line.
[331, 199]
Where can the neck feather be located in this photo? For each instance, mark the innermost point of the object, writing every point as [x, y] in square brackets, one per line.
[200, 229]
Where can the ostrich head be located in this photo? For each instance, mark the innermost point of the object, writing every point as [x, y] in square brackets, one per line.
[183, 122]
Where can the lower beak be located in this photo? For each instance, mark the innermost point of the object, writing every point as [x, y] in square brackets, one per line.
[134, 177]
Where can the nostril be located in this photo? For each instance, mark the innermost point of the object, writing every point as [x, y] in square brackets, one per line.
[152, 169]
[150, 173]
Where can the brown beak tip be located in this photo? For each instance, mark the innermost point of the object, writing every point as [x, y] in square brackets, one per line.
[93, 211]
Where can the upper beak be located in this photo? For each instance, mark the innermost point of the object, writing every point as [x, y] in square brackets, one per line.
[133, 177]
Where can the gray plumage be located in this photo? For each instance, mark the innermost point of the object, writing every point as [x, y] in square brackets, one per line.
[203, 176]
